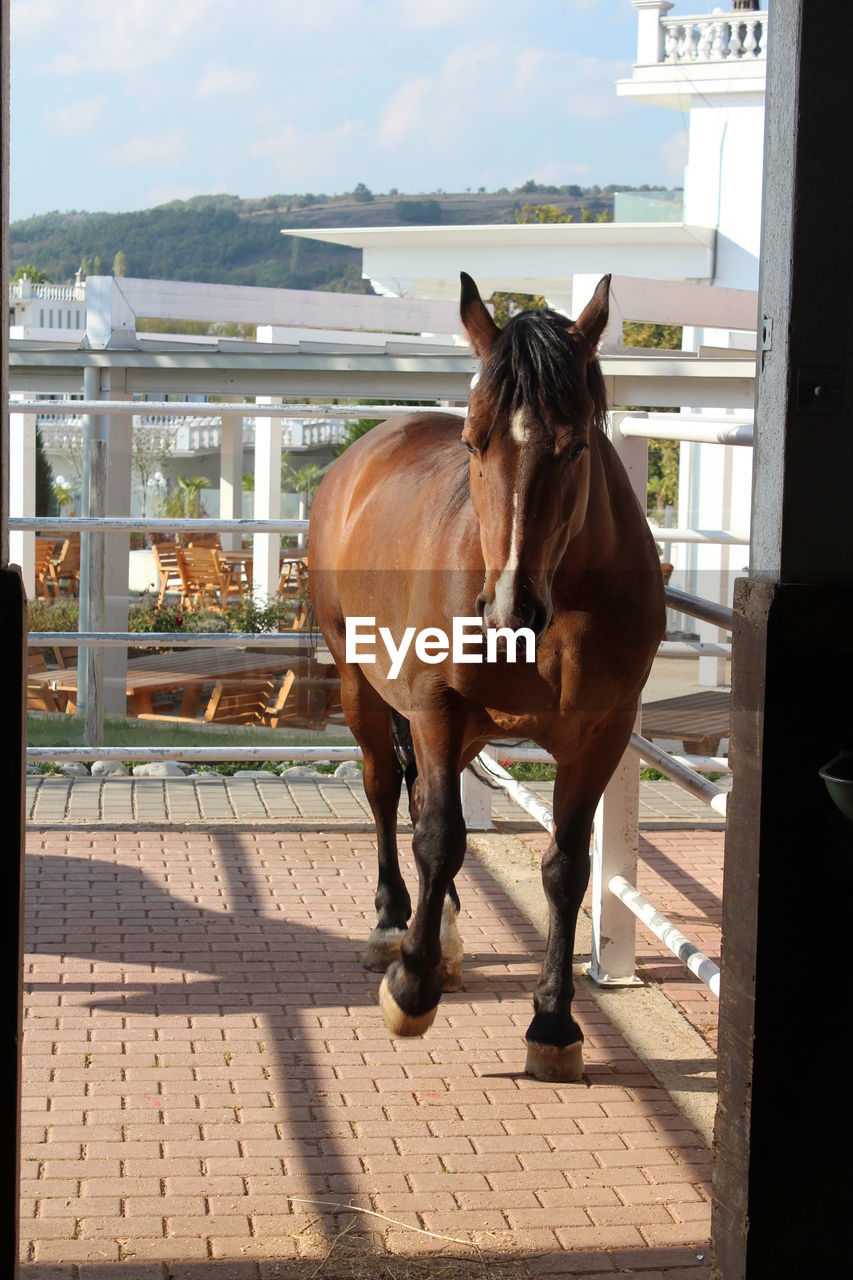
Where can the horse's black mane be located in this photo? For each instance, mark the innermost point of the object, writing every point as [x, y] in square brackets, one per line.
[536, 361]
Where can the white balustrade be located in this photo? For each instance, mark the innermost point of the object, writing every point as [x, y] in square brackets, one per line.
[736, 37]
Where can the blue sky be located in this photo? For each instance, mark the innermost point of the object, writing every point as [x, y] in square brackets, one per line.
[125, 104]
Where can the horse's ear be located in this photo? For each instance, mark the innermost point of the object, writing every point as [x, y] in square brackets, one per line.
[478, 324]
[592, 321]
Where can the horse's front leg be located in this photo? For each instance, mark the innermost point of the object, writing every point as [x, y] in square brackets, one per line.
[411, 988]
[554, 1039]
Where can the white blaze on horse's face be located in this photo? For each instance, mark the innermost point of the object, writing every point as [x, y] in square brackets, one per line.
[530, 429]
[529, 487]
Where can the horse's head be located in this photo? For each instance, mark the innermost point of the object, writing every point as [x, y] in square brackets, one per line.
[531, 414]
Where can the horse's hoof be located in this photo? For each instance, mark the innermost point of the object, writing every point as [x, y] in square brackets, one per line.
[451, 976]
[450, 966]
[398, 1022]
[383, 948]
[550, 1062]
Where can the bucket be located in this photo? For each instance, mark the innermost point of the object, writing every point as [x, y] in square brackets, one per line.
[838, 779]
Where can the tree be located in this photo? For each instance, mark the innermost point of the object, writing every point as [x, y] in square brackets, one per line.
[45, 498]
[663, 454]
[151, 447]
[362, 193]
[354, 431]
[542, 213]
[507, 305]
[32, 272]
[305, 481]
[185, 500]
[120, 264]
[97, 266]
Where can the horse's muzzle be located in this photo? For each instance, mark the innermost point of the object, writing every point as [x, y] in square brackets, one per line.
[532, 612]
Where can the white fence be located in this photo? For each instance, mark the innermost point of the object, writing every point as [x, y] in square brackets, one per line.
[280, 383]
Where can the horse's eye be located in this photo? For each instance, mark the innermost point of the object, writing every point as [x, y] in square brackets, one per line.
[468, 445]
[577, 451]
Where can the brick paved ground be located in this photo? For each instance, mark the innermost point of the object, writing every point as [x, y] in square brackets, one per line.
[271, 798]
[205, 1060]
[681, 872]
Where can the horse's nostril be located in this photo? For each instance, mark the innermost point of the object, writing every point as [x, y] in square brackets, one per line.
[480, 604]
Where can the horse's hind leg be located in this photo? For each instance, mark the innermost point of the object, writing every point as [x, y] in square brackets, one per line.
[369, 718]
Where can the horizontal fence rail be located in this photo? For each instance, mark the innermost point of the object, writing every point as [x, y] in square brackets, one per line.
[713, 537]
[206, 409]
[692, 427]
[176, 640]
[684, 776]
[707, 610]
[211, 755]
[672, 937]
[150, 524]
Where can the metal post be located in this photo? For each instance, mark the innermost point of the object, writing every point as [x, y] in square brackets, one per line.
[94, 663]
[231, 476]
[90, 393]
[617, 818]
[22, 492]
[476, 799]
[267, 555]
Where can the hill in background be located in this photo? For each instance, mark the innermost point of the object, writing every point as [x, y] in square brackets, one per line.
[224, 239]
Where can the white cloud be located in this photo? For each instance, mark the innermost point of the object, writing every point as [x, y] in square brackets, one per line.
[403, 112]
[304, 158]
[424, 15]
[495, 85]
[220, 80]
[73, 119]
[167, 148]
[104, 36]
[673, 153]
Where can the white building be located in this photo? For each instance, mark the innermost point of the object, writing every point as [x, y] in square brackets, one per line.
[52, 311]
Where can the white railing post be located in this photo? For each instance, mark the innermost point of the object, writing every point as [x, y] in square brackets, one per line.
[650, 30]
[231, 476]
[267, 546]
[617, 818]
[476, 799]
[22, 492]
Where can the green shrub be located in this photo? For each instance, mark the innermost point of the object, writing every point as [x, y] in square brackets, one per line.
[53, 615]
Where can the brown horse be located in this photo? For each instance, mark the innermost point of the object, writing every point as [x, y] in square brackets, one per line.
[535, 526]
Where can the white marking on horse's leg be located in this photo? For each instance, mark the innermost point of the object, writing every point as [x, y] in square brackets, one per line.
[506, 581]
[383, 948]
[450, 966]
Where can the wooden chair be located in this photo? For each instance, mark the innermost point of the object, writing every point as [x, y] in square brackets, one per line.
[168, 569]
[294, 576]
[43, 565]
[65, 569]
[249, 701]
[205, 578]
[39, 696]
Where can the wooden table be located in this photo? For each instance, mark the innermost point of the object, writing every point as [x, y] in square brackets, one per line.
[700, 720]
[187, 669]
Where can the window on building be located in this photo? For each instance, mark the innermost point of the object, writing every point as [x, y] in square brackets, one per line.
[68, 322]
[41, 318]
[50, 318]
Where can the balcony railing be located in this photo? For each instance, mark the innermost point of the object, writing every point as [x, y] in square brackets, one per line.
[733, 37]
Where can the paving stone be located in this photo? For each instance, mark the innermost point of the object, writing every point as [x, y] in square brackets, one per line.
[197, 1022]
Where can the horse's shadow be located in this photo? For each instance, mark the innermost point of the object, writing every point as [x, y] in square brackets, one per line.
[244, 954]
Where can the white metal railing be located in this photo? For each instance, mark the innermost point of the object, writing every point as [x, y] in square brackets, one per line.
[637, 428]
[729, 37]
